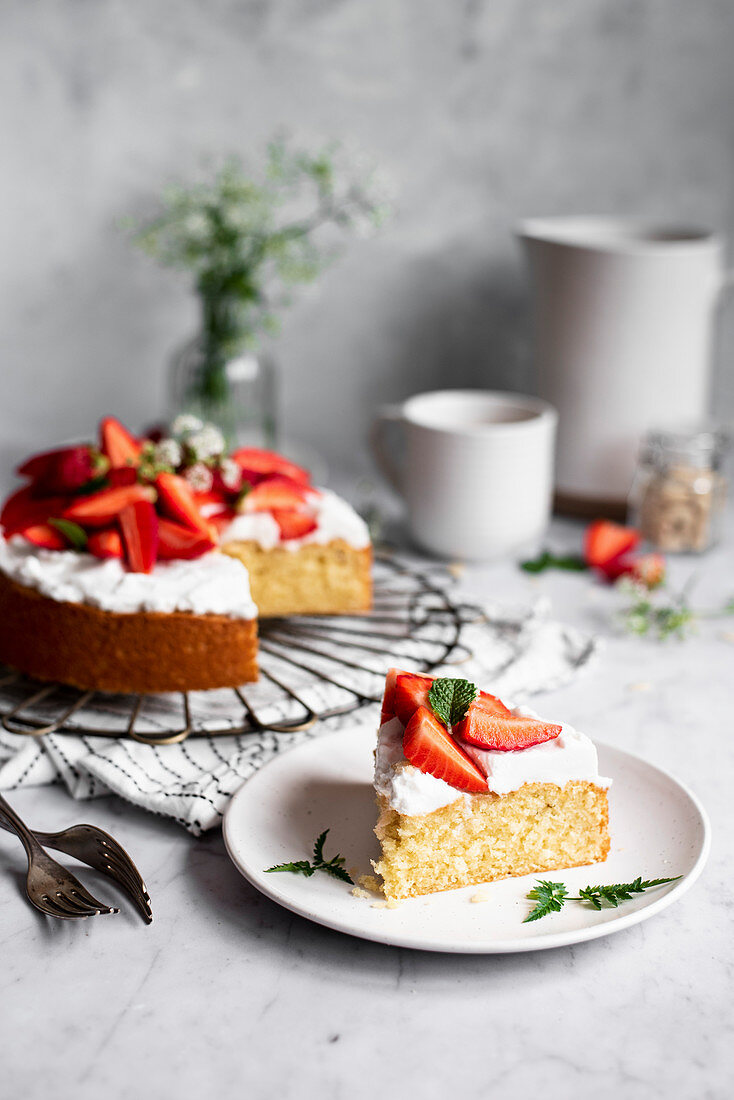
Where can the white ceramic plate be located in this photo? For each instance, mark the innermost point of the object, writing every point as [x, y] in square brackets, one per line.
[658, 829]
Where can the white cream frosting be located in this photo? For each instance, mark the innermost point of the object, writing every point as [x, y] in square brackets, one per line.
[213, 584]
[571, 755]
[335, 519]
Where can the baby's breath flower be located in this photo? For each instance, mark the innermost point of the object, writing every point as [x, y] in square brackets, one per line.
[206, 443]
[199, 477]
[168, 453]
[185, 425]
[230, 473]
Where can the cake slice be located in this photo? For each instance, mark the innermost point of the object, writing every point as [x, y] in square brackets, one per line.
[471, 790]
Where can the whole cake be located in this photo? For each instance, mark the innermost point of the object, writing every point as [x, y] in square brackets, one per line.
[112, 575]
[470, 790]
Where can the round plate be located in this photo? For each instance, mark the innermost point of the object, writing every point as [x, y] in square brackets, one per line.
[658, 827]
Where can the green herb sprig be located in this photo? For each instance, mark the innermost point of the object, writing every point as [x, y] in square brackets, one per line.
[546, 560]
[450, 699]
[333, 867]
[550, 897]
[76, 535]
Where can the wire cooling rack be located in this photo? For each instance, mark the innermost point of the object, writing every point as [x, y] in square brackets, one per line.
[311, 667]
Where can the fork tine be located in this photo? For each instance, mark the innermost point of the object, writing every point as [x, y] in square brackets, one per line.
[45, 905]
[83, 895]
[71, 905]
[133, 887]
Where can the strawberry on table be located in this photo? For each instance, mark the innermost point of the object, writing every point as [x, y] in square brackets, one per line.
[139, 526]
[120, 446]
[604, 541]
[493, 731]
[648, 569]
[429, 747]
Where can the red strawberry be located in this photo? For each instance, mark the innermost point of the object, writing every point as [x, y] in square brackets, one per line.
[23, 509]
[231, 485]
[411, 692]
[431, 749]
[42, 534]
[106, 543]
[176, 541]
[219, 523]
[648, 569]
[259, 463]
[178, 502]
[388, 697]
[276, 492]
[139, 526]
[120, 476]
[212, 502]
[61, 471]
[605, 541]
[492, 731]
[292, 523]
[100, 509]
[117, 443]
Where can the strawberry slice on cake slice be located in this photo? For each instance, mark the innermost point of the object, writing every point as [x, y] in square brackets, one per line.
[471, 789]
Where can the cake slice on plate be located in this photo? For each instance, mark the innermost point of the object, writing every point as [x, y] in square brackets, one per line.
[470, 790]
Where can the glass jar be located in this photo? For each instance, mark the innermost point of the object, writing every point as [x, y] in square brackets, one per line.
[678, 495]
[237, 393]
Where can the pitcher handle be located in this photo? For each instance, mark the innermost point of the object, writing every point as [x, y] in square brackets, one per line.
[382, 451]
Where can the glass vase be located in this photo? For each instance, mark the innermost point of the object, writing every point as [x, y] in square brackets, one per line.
[217, 378]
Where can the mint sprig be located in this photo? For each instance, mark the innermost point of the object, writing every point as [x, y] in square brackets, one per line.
[76, 535]
[550, 897]
[333, 867]
[450, 699]
[571, 562]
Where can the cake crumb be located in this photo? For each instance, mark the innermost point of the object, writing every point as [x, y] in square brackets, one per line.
[370, 882]
[358, 892]
[456, 569]
[393, 903]
[475, 899]
[379, 905]
[641, 685]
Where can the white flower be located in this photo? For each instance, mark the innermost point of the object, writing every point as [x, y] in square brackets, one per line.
[185, 424]
[167, 453]
[199, 477]
[207, 442]
[230, 473]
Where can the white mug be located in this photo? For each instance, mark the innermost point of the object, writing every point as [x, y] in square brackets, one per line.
[476, 472]
[624, 317]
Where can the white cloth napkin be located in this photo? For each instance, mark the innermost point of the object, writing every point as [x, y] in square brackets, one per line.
[516, 652]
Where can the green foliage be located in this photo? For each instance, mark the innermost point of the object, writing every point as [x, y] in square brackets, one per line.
[450, 699]
[571, 562]
[550, 897]
[333, 867]
[76, 535]
[662, 617]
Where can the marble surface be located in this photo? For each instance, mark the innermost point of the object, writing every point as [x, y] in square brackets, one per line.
[226, 994]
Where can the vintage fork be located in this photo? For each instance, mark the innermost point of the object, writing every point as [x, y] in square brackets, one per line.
[49, 886]
[103, 853]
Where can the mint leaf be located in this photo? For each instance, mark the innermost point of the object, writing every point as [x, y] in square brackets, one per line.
[450, 699]
[571, 562]
[76, 535]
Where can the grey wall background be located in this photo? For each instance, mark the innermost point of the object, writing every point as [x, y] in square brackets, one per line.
[482, 111]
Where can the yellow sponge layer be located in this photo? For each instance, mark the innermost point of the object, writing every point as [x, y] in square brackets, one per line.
[540, 827]
[313, 580]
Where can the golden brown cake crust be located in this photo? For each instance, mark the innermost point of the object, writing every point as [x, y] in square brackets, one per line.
[330, 579]
[144, 652]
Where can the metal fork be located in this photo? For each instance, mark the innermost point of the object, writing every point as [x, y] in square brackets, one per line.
[103, 853]
[49, 886]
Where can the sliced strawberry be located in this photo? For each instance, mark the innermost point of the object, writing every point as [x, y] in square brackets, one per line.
[120, 476]
[139, 526]
[219, 523]
[106, 543]
[42, 534]
[100, 509]
[490, 704]
[178, 502]
[605, 541]
[120, 446]
[492, 731]
[294, 524]
[212, 502]
[260, 463]
[429, 747]
[276, 492]
[61, 471]
[24, 509]
[648, 569]
[411, 692]
[388, 696]
[176, 541]
[233, 483]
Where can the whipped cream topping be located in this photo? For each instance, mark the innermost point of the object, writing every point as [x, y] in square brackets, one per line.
[335, 519]
[571, 755]
[213, 584]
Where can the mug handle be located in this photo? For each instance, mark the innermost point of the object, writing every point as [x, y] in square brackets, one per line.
[389, 416]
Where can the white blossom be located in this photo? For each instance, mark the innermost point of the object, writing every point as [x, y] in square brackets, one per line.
[199, 477]
[167, 453]
[230, 473]
[185, 424]
[207, 442]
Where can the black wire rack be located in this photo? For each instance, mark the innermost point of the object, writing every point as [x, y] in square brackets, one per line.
[311, 668]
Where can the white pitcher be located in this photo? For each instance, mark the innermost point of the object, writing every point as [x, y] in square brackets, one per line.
[624, 318]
